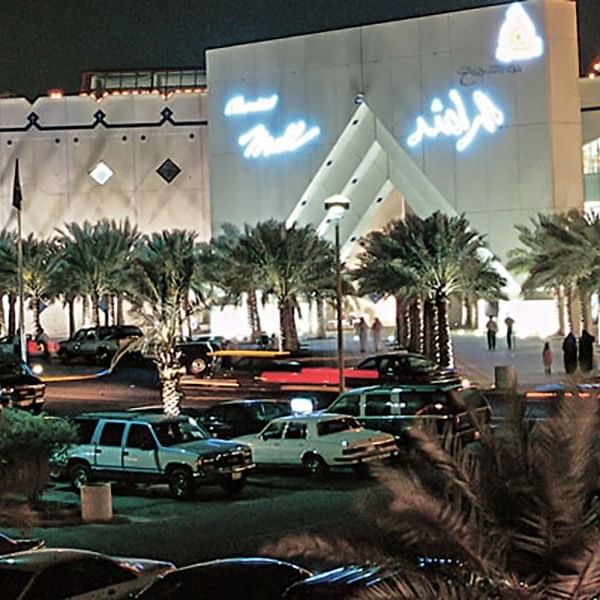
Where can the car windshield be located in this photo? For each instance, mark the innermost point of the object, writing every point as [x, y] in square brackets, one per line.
[178, 432]
[337, 425]
[420, 363]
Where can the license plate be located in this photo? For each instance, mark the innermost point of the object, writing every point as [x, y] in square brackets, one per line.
[236, 475]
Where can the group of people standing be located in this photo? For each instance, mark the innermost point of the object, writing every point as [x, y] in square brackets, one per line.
[362, 330]
[581, 353]
[492, 330]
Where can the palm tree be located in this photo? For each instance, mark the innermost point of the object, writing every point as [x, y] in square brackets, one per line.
[289, 264]
[518, 518]
[431, 257]
[8, 277]
[165, 269]
[225, 266]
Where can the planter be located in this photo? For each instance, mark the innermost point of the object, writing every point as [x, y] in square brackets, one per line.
[96, 502]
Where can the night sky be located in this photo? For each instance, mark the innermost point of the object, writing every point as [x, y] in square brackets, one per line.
[48, 43]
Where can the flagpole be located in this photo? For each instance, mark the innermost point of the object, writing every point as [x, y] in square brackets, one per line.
[17, 201]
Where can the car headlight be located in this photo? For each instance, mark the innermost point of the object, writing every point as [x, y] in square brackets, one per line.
[344, 443]
[7, 390]
[205, 461]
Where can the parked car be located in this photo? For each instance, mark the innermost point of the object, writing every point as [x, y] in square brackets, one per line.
[396, 408]
[20, 388]
[227, 579]
[97, 344]
[248, 365]
[9, 545]
[196, 357]
[241, 417]
[391, 367]
[146, 448]
[58, 574]
[319, 442]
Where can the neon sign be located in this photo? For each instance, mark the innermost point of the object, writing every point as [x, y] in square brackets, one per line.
[454, 121]
[258, 142]
[518, 39]
[238, 105]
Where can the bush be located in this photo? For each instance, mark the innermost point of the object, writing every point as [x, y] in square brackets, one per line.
[26, 443]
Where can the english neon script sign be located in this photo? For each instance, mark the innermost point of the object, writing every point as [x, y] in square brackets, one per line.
[258, 142]
[453, 120]
[518, 39]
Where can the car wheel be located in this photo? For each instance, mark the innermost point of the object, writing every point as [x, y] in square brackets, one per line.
[233, 486]
[197, 367]
[315, 466]
[79, 475]
[181, 484]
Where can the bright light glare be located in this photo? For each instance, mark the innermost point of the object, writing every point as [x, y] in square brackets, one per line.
[258, 142]
[238, 105]
[37, 369]
[301, 405]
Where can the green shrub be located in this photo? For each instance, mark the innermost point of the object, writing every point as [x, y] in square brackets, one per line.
[26, 443]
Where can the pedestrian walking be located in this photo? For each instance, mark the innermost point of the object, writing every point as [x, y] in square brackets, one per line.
[376, 328]
[586, 351]
[509, 322]
[547, 358]
[362, 329]
[43, 340]
[492, 329]
[569, 348]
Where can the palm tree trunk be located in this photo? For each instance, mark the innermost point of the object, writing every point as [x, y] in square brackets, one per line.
[400, 321]
[416, 329]
[35, 309]
[469, 310]
[253, 314]
[85, 309]
[106, 299]
[110, 309]
[289, 335]
[321, 324]
[569, 301]
[2, 316]
[120, 313]
[446, 355]
[96, 309]
[170, 394]
[559, 298]
[430, 333]
[71, 311]
[585, 309]
[12, 314]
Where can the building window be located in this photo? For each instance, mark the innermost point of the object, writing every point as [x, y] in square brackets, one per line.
[591, 158]
[168, 170]
[101, 173]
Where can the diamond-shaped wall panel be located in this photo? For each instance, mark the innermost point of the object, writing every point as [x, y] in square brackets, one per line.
[101, 173]
[168, 170]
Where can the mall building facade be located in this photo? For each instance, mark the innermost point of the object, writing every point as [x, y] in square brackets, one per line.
[480, 112]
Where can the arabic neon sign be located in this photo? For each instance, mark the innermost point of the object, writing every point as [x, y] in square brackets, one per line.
[518, 39]
[239, 105]
[453, 120]
[258, 142]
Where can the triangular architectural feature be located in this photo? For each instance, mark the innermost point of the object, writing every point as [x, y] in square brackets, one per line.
[518, 39]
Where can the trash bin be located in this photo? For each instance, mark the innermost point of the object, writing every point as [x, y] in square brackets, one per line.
[505, 378]
[96, 502]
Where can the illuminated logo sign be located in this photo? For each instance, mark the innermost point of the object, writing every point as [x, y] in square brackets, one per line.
[258, 142]
[454, 120]
[238, 105]
[518, 39]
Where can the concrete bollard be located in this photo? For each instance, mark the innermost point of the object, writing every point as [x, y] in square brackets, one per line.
[96, 502]
[505, 378]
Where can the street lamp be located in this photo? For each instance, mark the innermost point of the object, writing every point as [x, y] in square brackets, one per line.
[335, 207]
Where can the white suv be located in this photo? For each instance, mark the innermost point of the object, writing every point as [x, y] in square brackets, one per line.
[146, 448]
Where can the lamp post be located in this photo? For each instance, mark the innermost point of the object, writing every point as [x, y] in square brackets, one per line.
[335, 207]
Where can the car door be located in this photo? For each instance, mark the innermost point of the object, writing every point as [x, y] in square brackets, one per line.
[89, 344]
[267, 449]
[109, 450]
[140, 452]
[293, 443]
[378, 409]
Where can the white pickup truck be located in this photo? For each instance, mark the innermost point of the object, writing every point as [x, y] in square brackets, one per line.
[148, 448]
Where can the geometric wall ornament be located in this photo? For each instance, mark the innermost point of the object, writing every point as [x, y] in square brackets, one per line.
[518, 39]
[101, 173]
[168, 170]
